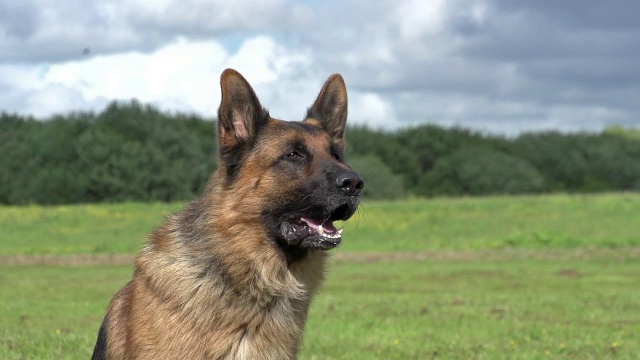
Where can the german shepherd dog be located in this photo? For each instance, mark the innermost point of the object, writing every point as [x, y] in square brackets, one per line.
[233, 274]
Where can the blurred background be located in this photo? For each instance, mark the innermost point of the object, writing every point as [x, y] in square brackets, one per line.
[446, 97]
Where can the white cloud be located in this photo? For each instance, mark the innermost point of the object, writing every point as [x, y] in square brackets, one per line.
[261, 59]
[183, 75]
[366, 108]
[54, 99]
[417, 18]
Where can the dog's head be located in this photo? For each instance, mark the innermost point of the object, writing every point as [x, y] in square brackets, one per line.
[290, 175]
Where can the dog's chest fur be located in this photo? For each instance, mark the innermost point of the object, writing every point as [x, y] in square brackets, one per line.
[256, 313]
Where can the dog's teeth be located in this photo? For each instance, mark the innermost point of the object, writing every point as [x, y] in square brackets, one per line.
[340, 231]
[320, 230]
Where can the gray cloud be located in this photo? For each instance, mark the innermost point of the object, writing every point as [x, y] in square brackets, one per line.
[44, 31]
[507, 65]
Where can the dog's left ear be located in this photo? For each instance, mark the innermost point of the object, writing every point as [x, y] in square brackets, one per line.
[240, 115]
[331, 107]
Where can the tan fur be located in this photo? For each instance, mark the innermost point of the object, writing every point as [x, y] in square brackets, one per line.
[211, 283]
[259, 314]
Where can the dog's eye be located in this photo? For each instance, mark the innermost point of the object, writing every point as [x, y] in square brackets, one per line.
[294, 155]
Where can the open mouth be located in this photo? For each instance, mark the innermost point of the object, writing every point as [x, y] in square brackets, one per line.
[309, 232]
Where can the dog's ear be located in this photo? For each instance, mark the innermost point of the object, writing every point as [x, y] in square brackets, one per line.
[240, 115]
[331, 107]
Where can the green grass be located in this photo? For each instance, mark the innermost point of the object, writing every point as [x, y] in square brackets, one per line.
[557, 221]
[539, 297]
[79, 229]
[391, 310]
[477, 310]
[54, 312]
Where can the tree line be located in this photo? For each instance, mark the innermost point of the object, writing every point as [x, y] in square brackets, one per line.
[134, 152]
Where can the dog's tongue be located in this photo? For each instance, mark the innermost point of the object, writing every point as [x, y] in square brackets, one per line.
[321, 227]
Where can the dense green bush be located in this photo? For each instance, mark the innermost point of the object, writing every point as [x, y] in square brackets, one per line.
[127, 152]
[480, 171]
[134, 152]
[582, 162]
[137, 153]
[380, 181]
[398, 157]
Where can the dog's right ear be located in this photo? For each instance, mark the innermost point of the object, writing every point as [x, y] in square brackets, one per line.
[240, 115]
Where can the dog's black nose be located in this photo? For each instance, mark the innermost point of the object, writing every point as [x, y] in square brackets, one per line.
[350, 183]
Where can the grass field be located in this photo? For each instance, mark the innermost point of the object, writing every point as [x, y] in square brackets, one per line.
[557, 221]
[553, 277]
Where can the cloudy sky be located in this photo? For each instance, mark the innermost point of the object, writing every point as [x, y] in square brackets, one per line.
[499, 66]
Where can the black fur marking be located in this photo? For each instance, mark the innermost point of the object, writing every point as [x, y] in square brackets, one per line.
[292, 253]
[311, 129]
[337, 152]
[233, 159]
[100, 350]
